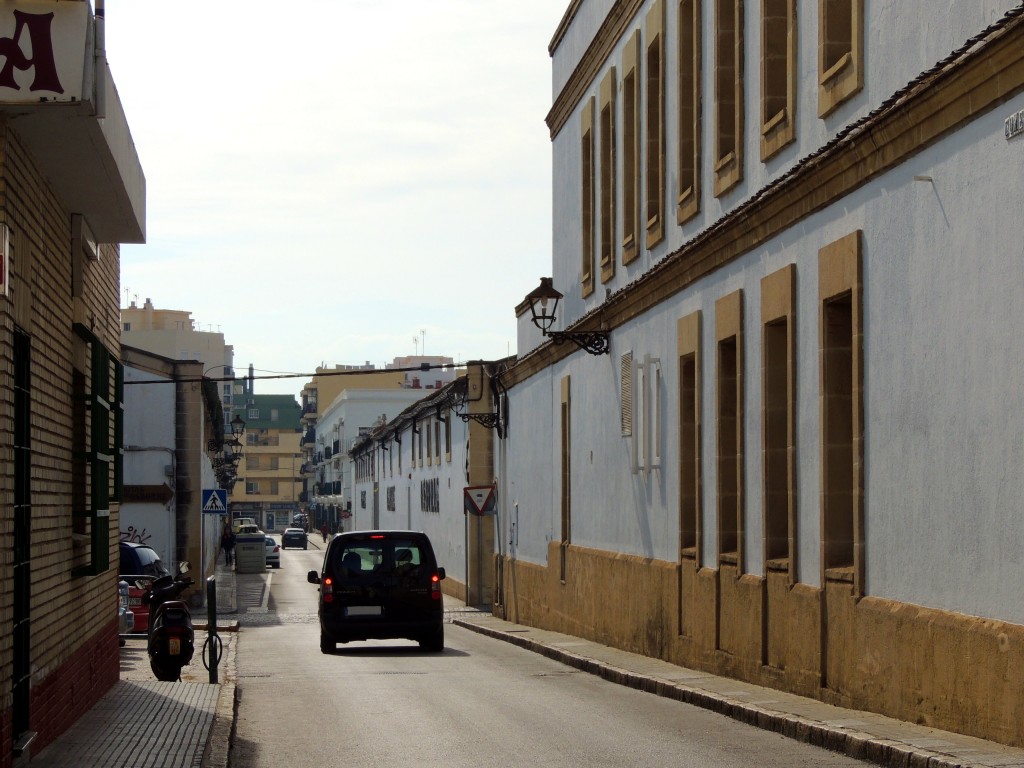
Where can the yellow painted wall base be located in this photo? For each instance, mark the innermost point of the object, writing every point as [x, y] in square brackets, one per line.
[935, 668]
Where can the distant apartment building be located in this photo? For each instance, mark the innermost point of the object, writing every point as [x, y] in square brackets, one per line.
[269, 482]
[174, 334]
[343, 402]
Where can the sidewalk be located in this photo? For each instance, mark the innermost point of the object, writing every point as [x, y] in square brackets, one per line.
[141, 722]
[861, 735]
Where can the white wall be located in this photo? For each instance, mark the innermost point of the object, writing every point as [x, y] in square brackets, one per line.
[943, 365]
[900, 45]
[149, 441]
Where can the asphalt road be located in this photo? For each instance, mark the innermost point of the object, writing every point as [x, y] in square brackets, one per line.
[480, 703]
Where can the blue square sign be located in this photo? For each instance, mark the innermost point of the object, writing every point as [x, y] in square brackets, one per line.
[215, 501]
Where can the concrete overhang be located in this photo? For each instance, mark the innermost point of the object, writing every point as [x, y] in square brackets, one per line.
[89, 160]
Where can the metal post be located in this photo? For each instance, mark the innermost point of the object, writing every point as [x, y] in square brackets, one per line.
[211, 626]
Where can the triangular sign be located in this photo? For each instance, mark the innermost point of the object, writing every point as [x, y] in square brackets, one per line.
[479, 499]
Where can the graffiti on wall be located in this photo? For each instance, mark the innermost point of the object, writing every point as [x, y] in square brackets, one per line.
[135, 535]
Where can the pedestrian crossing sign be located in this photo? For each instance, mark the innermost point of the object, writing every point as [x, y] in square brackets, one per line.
[215, 501]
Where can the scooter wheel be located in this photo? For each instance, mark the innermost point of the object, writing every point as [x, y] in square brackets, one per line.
[166, 673]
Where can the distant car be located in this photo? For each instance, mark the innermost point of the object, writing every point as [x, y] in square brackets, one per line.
[380, 585]
[248, 529]
[293, 537]
[238, 522]
[273, 552]
[139, 561]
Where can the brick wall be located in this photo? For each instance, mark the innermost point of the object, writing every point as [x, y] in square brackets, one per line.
[72, 620]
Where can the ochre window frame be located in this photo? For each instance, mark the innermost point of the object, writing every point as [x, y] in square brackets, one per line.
[587, 198]
[607, 209]
[778, 417]
[728, 59]
[565, 503]
[840, 52]
[689, 78]
[840, 278]
[631, 107]
[729, 332]
[688, 350]
[654, 109]
[779, 32]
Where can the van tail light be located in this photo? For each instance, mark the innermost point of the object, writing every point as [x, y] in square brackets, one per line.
[328, 590]
[435, 587]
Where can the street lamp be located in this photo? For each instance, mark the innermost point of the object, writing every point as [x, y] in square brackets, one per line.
[543, 303]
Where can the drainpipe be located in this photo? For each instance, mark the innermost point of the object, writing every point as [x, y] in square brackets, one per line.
[100, 60]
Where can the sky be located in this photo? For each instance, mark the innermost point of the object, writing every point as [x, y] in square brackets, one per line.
[339, 181]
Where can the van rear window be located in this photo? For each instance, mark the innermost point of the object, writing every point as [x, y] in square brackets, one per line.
[379, 557]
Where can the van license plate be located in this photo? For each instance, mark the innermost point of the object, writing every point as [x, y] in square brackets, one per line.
[363, 610]
[173, 646]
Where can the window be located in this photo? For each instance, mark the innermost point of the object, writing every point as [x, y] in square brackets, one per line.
[254, 413]
[778, 425]
[430, 443]
[252, 487]
[448, 437]
[842, 428]
[587, 198]
[626, 388]
[607, 211]
[729, 407]
[630, 148]
[778, 75]
[728, 94]
[430, 496]
[437, 441]
[654, 167]
[646, 448]
[97, 479]
[566, 478]
[840, 52]
[127, 326]
[688, 341]
[690, 111]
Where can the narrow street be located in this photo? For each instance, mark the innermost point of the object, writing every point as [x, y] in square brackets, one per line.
[481, 702]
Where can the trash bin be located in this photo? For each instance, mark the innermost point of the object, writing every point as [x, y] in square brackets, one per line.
[250, 552]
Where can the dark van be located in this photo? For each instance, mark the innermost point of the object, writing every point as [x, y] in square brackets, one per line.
[379, 585]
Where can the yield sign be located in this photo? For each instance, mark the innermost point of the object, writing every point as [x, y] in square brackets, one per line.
[479, 499]
[215, 501]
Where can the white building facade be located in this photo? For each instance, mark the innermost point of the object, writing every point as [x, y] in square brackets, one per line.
[799, 462]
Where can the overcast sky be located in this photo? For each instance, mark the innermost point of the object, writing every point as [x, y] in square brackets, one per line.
[339, 181]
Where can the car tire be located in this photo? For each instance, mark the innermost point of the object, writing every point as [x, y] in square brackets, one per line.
[433, 643]
[303, 546]
[275, 565]
[326, 644]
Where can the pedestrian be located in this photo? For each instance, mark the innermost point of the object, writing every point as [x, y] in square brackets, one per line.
[323, 531]
[227, 543]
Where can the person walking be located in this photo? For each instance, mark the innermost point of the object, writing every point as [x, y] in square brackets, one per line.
[227, 543]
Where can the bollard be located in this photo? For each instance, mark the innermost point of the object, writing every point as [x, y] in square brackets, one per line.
[212, 641]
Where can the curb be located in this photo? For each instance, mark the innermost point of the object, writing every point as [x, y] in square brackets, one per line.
[855, 744]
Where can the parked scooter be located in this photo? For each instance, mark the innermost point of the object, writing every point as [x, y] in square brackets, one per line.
[171, 637]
